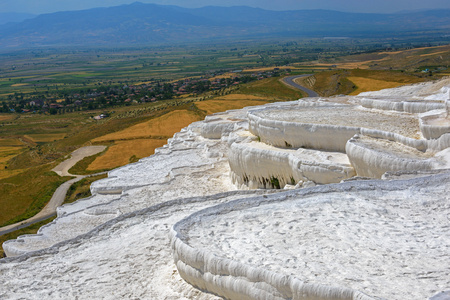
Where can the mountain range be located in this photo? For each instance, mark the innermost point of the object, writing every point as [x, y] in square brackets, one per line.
[14, 17]
[151, 24]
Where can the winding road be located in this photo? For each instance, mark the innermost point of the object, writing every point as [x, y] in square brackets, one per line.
[290, 81]
[59, 195]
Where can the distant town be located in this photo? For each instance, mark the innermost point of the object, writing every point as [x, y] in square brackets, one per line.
[108, 96]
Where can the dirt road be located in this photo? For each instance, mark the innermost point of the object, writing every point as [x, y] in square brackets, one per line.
[58, 196]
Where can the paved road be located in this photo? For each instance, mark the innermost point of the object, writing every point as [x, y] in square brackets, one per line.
[60, 194]
[290, 81]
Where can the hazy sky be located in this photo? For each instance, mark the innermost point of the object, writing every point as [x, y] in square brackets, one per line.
[376, 6]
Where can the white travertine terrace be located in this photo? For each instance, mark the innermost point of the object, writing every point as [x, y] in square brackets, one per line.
[196, 164]
[259, 164]
[361, 233]
[415, 99]
[434, 124]
[186, 223]
[373, 157]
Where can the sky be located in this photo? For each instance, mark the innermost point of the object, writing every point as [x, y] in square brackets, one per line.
[367, 6]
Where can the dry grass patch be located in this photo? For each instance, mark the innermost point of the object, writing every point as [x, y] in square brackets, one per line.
[435, 53]
[6, 153]
[369, 84]
[45, 138]
[124, 152]
[225, 75]
[218, 105]
[25, 194]
[164, 126]
[239, 97]
[5, 173]
[353, 82]
[408, 60]
[347, 65]
[10, 142]
[269, 69]
[6, 117]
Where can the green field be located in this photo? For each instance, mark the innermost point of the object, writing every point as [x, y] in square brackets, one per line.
[62, 70]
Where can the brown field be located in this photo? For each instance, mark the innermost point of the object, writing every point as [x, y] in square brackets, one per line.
[142, 82]
[369, 84]
[9, 148]
[225, 75]
[394, 52]
[6, 117]
[268, 69]
[353, 82]
[6, 153]
[122, 153]
[5, 173]
[345, 65]
[348, 65]
[6, 94]
[230, 102]
[164, 126]
[412, 58]
[10, 142]
[137, 142]
[436, 53]
[238, 97]
[45, 137]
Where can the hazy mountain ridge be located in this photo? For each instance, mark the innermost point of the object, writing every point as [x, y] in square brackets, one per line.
[8, 17]
[140, 23]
